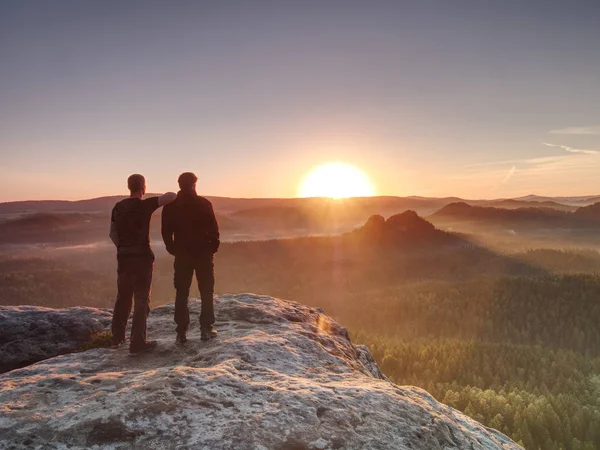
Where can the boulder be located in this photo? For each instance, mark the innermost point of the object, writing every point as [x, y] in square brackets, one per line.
[31, 333]
[279, 375]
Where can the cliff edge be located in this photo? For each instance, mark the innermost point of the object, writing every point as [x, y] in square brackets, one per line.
[280, 375]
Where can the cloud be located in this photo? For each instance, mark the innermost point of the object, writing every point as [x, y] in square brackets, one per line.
[509, 175]
[534, 172]
[571, 149]
[538, 160]
[503, 171]
[593, 130]
[555, 174]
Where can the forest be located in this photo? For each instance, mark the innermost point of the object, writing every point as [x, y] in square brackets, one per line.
[527, 363]
[510, 339]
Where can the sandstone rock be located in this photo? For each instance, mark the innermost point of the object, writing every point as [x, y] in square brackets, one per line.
[280, 375]
[409, 222]
[30, 333]
[405, 229]
[375, 224]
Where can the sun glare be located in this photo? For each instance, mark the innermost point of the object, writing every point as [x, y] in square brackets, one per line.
[336, 180]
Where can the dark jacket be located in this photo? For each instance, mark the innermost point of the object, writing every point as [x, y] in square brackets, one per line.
[130, 226]
[189, 226]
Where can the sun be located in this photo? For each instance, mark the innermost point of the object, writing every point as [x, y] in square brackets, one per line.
[336, 180]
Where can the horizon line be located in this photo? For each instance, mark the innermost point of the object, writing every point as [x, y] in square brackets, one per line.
[314, 198]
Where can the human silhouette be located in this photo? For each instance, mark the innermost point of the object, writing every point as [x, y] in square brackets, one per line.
[191, 233]
[130, 232]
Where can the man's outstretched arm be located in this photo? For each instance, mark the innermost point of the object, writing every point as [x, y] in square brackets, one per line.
[166, 198]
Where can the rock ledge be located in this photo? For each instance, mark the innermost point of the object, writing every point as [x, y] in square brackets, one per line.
[280, 375]
[29, 334]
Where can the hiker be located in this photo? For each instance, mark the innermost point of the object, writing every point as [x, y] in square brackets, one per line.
[191, 233]
[130, 232]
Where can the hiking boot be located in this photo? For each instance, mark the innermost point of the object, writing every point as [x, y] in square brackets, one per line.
[181, 338]
[208, 333]
[145, 347]
[117, 343]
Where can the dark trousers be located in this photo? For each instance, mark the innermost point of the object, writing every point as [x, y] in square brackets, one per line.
[134, 281]
[184, 271]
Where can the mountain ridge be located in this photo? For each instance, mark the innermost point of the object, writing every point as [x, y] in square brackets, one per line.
[585, 216]
[225, 204]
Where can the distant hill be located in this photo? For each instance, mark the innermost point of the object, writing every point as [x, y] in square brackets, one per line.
[226, 205]
[577, 200]
[514, 204]
[48, 221]
[519, 217]
[239, 218]
[86, 221]
[56, 206]
[63, 228]
[407, 229]
[464, 210]
[358, 206]
[591, 212]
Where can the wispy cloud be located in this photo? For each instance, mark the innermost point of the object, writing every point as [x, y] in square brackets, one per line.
[550, 173]
[540, 160]
[527, 161]
[571, 149]
[590, 130]
[509, 175]
[503, 171]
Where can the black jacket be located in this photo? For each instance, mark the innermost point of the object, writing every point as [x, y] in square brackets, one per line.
[130, 226]
[189, 226]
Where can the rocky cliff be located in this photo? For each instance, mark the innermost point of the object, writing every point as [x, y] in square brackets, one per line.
[280, 375]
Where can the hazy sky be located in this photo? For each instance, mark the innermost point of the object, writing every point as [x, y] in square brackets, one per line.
[481, 98]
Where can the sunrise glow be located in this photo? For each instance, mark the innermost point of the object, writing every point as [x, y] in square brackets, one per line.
[336, 180]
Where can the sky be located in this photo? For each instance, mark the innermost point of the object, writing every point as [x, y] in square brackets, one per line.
[470, 98]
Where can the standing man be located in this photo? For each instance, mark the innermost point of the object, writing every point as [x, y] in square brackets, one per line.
[191, 234]
[130, 232]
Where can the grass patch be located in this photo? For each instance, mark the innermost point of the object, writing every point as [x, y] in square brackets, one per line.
[98, 339]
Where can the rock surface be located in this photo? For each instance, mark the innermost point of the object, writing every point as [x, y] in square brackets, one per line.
[30, 333]
[280, 375]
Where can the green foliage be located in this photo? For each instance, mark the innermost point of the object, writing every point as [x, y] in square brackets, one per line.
[101, 339]
[544, 398]
[551, 310]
